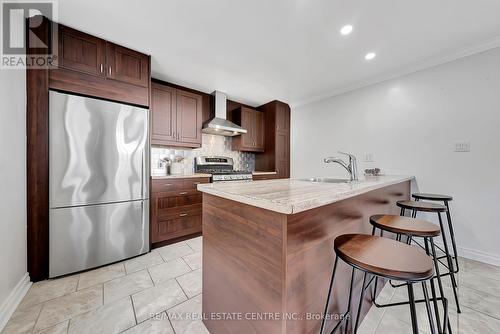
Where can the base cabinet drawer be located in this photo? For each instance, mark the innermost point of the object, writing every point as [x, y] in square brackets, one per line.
[179, 212]
[178, 201]
[177, 227]
[176, 208]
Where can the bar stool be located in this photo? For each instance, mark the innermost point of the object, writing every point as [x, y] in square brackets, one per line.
[382, 258]
[412, 228]
[422, 206]
[445, 199]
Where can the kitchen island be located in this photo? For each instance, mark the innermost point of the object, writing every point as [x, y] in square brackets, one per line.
[268, 249]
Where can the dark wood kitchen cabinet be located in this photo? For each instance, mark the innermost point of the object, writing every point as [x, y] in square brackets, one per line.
[127, 65]
[276, 156]
[176, 117]
[163, 114]
[176, 208]
[95, 67]
[81, 67]
[88, 54]
[253, 121]
[81, 52]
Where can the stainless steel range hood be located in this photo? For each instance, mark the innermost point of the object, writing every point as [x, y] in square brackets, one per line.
[219, 125]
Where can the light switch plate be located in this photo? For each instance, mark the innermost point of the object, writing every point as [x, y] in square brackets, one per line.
[462, 146]
[368, 157]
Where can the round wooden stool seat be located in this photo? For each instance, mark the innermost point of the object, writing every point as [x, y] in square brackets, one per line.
[421, 206]
[405, 225]
[432, 197]
[384, 257]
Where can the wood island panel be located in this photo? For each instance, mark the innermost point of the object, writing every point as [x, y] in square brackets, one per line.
[260, 261]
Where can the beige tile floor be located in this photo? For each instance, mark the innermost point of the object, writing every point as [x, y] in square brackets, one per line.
[148, 293]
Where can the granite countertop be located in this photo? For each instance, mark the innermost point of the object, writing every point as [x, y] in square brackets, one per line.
[256, 172]
[179, 176]
[290, 196]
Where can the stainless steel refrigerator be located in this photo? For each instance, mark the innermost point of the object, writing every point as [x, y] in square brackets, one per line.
[99, 179]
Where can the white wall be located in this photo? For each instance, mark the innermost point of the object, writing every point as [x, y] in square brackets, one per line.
[410, 124]
[13, 265]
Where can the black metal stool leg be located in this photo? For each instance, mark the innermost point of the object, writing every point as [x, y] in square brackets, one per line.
[433, 291]
[360, 303]
[413, 310]
[329, 294]
[428, 307]
[452, 235]
[441, 290]
[414, 213]
[348, 312]
[450, 264]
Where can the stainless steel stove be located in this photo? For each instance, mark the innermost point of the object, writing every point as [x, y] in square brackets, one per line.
[221, 168]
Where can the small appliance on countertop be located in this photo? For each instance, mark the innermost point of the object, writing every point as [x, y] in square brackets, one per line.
[221, 168]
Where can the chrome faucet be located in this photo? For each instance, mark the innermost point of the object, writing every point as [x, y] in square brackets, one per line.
[352, 167]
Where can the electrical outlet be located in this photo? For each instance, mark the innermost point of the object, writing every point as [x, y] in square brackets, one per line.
[462, 146]
[368, 157]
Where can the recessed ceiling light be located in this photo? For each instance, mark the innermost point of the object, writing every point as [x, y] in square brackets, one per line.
[346, 30]
[370, 55]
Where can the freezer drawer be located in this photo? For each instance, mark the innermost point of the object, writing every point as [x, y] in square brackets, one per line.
[90, 236]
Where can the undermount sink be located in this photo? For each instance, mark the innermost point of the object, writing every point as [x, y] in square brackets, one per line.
[326, 180]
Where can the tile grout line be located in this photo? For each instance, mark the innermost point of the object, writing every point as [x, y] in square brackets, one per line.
[151, 277]
[194, 250]
[478, 311]
[187, 264]
[170, 322]
[133, 309]
[37, 317]
[70, 318]
[180, 286]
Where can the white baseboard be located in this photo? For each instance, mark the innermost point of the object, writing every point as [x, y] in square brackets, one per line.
[479, 256]
[13, 300]
[476, 255]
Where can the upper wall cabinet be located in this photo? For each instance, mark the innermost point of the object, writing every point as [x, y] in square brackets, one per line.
[277, 142]
[189, 118]
[253, 121]
[127, 65]
[163, 114]
[176, 117]
[92, 66]
[81, 52]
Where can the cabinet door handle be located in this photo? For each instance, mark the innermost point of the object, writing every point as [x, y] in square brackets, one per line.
[109, 70]
[183, 193]
[167, 184]
[183, 214]
[102, 68]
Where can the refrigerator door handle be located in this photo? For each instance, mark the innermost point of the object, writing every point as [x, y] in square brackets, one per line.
[142, 173]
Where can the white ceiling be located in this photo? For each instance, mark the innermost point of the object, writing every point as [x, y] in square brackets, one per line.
[291, 50]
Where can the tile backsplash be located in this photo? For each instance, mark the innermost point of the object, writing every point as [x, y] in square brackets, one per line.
[211, 145]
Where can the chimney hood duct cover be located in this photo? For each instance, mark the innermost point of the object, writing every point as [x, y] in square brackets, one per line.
[219, 125]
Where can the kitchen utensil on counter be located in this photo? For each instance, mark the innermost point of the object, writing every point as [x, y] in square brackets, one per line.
[165, 163]
[373, 172]
[176, 165]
